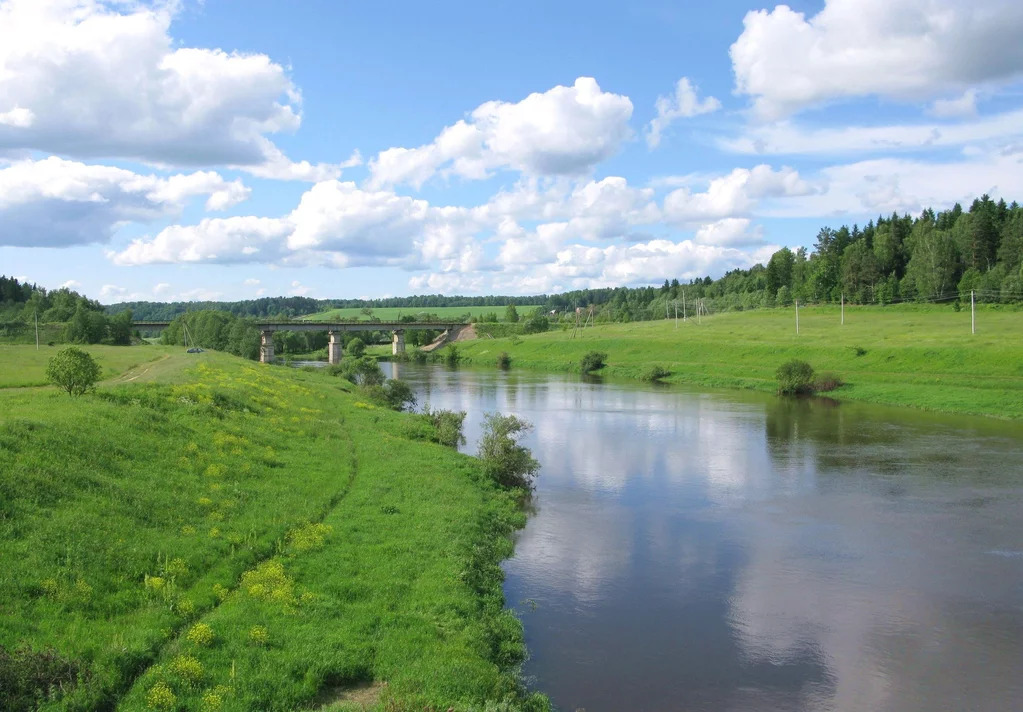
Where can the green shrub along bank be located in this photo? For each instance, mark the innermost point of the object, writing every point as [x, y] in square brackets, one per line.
[245, 537]
[923, 357]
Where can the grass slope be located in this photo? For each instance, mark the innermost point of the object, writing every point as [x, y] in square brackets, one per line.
[230, 536]
[22, 366]
[395, 313]
[921, 357]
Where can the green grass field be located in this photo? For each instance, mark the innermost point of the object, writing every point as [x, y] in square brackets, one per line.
[395, 313]
[24, 366]
[206, 533]
[924, 357]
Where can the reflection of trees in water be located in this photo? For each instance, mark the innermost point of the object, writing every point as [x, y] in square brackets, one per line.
[819, 419]
[834, 436]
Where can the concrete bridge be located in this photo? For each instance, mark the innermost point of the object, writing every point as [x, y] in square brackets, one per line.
[333, 329]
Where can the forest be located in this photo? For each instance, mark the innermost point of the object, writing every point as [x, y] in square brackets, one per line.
[82, 320]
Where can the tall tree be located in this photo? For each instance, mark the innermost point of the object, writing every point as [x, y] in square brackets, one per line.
[932, 263]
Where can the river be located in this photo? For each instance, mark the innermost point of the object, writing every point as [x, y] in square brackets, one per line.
[695, 550]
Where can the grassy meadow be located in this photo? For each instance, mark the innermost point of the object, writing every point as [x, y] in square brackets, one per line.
[212, 534]
[395, 313]
[924, 357]
[22, 366]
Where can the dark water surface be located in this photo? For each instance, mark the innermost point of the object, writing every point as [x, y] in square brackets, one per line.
[727, 551]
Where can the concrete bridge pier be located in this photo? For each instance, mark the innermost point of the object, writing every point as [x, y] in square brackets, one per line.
[266, 347]
[397, 342]
[334, 348]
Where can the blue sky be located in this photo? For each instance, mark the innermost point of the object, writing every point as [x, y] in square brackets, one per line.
[227, 149]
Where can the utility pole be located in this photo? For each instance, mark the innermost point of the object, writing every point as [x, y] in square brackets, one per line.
[843, 308]
[676, 315]
[973, 315]
[683, 305]
[797, 317]
[36, 312]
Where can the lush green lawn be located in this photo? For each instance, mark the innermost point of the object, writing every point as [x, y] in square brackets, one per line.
[923, 357]
[395, 313]
[220, 535]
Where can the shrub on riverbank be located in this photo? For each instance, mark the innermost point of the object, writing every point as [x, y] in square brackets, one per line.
[448, 425]
[827, 381]
[795, 377]
[504, 361]
[656, 373]
[504, 460]
[394, 394]
[593, 361]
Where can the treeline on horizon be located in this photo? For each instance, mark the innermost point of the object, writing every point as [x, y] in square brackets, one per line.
[934, 257]
[288, 307]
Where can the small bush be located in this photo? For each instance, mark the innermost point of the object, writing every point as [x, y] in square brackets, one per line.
[309, 537]
[860, 351]
[161, 697]
[395, 394]
[28, 677]
[656, 373]
[363, 371]
[399, 395]
[504, 361]
[73, 370]
[504, 460]
[795, 377]
[259, 635]
[415, 355]
[451, 355]
[187, 668]
[827, 382]
[448, 425]
[200, 634]
[593, 361]
[356, 348]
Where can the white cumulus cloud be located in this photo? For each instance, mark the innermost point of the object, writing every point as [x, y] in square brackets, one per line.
[735, 194]
[223, 240]
[563, 131]
[89, 79]
[55, 202]
[683, 104]
[902, 49]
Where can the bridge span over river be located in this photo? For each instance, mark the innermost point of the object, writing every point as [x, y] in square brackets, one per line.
[333, 329]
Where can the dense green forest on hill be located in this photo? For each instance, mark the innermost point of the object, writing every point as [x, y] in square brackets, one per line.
[80, 320]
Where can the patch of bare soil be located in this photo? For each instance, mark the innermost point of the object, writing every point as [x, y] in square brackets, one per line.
[364, 694]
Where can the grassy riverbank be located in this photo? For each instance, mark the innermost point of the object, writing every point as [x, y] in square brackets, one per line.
[923, 357]
[230, 536]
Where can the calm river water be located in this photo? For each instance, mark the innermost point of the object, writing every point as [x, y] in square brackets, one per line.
[726, 551]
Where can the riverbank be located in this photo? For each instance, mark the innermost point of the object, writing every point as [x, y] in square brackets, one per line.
[231, 536]
[908, 356]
